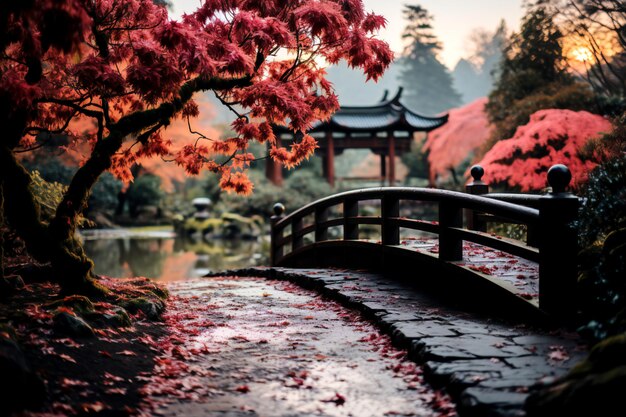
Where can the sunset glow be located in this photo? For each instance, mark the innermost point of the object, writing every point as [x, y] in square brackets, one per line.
[582, 54]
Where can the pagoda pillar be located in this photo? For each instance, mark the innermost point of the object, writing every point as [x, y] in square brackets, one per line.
[324, 166]
[392, 159]
[274, 170]
[383, 168]
[330, 159]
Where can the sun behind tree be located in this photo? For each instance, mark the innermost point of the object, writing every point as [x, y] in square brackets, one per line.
[532, 76]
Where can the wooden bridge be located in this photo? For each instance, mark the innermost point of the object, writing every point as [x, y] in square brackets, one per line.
[304, 238]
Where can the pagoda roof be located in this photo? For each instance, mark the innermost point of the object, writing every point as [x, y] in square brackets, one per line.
[387, 115]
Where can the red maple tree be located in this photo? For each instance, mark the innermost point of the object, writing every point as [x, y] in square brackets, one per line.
[458, 140]
[551, 137]
[114, 74]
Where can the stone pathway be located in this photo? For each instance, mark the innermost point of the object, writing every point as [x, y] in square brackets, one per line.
[487, 365]
[258, 347]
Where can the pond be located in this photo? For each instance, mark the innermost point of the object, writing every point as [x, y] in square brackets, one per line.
[161, 255]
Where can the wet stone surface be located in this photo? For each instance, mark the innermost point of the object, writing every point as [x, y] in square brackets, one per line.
[258, 347]
[487, 365]
[521, 274]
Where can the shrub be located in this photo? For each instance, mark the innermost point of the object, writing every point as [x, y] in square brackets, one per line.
[574, 96]
[604, 201]
[602, 231]
[299, 189]
[551, 137]
[145, 191]
[104, 196]
[48, 194]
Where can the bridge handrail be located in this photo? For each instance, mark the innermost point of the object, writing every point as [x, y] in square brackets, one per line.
[462, 200]
[528, 200]
[551, 241]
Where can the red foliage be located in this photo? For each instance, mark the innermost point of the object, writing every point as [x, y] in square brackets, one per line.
[122, 72]
[466, 131]
[551, 137]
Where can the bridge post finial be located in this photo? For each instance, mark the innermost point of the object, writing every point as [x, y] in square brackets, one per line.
[477, 173]
[276, 249]
[476, 187]
[558, 245]
[279, 210]
[559, 177]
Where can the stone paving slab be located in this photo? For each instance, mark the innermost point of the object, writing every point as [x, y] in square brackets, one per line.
[487, 365]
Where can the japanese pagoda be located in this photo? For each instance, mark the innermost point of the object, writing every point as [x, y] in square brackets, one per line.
[385, 128]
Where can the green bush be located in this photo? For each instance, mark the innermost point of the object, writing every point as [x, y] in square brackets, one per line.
[604, 201]
[416, 160]
[48, 195]
[602, 231]
[145, 191]
[50, 169]
[299, 189]
[104, 196]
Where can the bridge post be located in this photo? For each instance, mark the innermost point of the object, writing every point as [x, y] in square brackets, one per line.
[276, 250]
[390, 207]
[321, 215]
[297, 241]
[350, 209]
[558, 245]
[450, 246]
[476, 187]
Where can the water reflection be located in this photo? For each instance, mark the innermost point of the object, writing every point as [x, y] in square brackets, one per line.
[169, 259]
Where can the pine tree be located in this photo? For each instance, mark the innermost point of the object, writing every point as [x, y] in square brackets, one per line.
[474, 77]
[427, 81]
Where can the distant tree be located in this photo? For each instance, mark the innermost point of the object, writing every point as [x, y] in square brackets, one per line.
[474, 77]
[533, 76]
[468, 81]
[488, 48]
[427, 81]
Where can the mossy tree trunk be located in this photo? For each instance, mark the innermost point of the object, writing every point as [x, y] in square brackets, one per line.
[72, 268]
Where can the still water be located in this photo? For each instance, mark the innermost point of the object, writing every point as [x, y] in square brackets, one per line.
[163, 256]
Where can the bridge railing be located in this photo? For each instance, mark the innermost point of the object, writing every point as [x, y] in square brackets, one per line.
[551, 241]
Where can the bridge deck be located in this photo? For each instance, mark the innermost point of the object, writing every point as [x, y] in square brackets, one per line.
[506, 268]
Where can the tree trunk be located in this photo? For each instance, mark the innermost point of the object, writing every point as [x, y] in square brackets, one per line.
[74, 265]
[72, 268]
[21, 210]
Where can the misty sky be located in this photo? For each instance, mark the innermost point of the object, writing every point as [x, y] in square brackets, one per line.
[454, 20]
